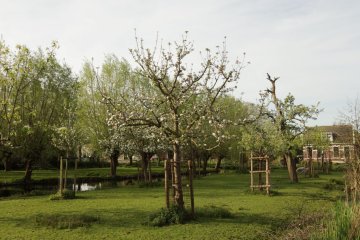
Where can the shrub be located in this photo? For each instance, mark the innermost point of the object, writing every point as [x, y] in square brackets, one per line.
[64, 221]
[66, 194]
[345, 224]
[5, 193]
[334, 184]
[167, 216]
[214, 212]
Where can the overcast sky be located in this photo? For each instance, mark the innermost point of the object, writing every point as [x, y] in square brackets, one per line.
[312, 45]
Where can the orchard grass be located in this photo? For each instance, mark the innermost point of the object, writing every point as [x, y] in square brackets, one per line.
[119, 213]
[17, 176]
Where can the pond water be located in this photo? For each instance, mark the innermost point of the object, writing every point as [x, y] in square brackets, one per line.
[6, 191]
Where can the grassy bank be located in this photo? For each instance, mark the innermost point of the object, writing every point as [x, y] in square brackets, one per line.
[118, 213]
[15, 176]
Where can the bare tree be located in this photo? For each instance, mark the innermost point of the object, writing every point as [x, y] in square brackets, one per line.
[352, 176]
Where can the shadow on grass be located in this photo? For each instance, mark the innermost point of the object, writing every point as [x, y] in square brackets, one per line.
[274, 223]
[70, 220]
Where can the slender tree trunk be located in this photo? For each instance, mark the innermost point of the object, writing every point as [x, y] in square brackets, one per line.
[149, 167]
[114, 162]
[61, 182]
[291, 165]
[65, 173]
[178, 198]
[112, 168]
[199, 166]
[28, 173]
[218, 164]
[6, 161]
[130, 160]
[205, 163]
[6, 164]
[78, 159]
[144, 166]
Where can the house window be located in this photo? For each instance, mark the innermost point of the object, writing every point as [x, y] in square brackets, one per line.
[336, 152]
[330, 136]
[347, 153]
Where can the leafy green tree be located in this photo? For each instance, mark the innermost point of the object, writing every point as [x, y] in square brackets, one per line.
[113, 79]
[34, 87]
[290, 121]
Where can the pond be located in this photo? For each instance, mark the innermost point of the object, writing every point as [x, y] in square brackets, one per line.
[43, 189]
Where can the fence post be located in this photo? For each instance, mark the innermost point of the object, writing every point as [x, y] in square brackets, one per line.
[61, 177]
[191, 189]
[166, 178]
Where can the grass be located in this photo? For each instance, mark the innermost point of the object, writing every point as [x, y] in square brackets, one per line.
[120, 212]
[13, 176]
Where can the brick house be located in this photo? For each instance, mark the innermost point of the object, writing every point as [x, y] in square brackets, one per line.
[339, 148]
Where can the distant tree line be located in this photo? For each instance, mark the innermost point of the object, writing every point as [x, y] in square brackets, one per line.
[166, 104]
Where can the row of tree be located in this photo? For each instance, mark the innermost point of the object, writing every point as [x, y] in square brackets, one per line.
[165, 105]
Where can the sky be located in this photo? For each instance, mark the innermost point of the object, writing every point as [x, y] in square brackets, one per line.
[312, 45]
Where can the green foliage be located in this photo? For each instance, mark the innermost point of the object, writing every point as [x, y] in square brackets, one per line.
[35, 88]
[60, 221]
[335, 184]
[66, 194]
[345, 224]
[167, 216]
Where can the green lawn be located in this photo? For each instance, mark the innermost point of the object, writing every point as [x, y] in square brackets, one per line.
[122, 210]
[12, 176]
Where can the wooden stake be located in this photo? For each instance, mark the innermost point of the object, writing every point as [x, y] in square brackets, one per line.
[166, 178]
[61, 177]
[65, 175]
[191, 189]
[251, 173]
[267, 177]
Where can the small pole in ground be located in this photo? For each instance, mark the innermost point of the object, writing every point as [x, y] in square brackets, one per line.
[166, 178]
[191, 189]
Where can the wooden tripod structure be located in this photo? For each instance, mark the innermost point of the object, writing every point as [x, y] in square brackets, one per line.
[257, 168]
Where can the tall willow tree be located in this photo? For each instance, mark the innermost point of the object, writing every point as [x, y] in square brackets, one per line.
[181, 95]
[35, 86]
[113, 79]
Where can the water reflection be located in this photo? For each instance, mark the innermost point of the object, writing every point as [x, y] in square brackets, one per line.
[79, 187]
[83, 187]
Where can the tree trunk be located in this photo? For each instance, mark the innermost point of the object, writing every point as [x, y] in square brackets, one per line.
[144, 166]
[78, 159]
[6, 162]
[178, 198]
[205, 162]
[218, 164]
[65, 173]
[291, 166]
[199, 166]
[130, 160]
[27, 177]
[149, 169]
[114, 162]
